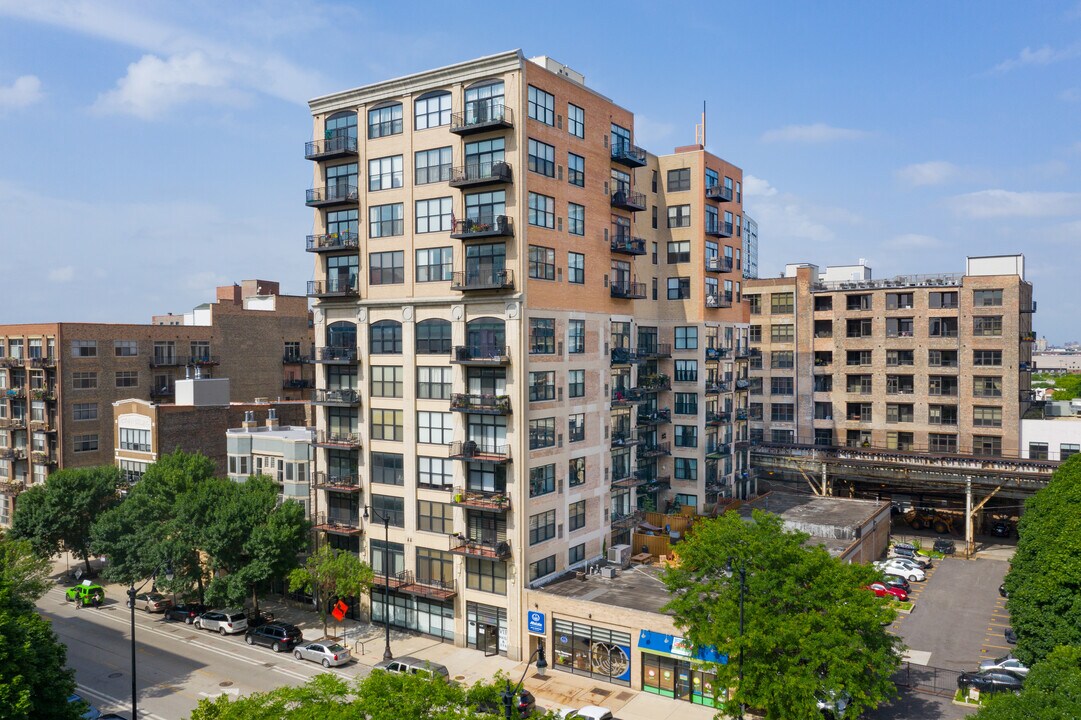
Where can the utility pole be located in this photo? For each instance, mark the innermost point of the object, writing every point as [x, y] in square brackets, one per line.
[969, 545]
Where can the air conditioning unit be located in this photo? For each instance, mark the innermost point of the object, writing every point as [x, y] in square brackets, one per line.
[620, 555]
[608, 571]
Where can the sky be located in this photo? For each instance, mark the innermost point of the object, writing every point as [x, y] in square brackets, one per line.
[150, 151]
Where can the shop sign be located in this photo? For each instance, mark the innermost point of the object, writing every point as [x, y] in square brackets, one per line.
[535, 622]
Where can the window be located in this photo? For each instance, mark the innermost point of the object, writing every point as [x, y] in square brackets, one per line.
[86, 443]
[781, 332]
[686, 436]
[576, 121]
[542, 158]
[435, 264]
[941, 327]
[782, 359]
[486, 575]
[83, 348]
[984, 386]
[542, 526]
[542, 336]
[576, 219]
[686, 468]
[387, 424]
[432, 166]
[435, 428]
[434, 216]
[388, 468]
[386, 220]
[686, 371]
[544, 566]
[858, 357]
[433, 337]
[385, 173]
[686, 403]
[679, 179]
[576, 383]
[686, 338]
[576, 170]
[987, 298]
[576, 516]
[576, 472]
[987, 326]
[542, 263]
[577, 553]
[1037, 451]
[84, 411]
[385, 121]
[431, 110]
[1067, 450]
[781, 412]
[437, 473]
[986, 416]
[435, 517]
[942, 442]
[542, 386]
[679, 216]
[386, 338]
[542, 106]
[84, 380]
[576, 268]
[390, 507]
[125, 348]
[132, 439]
[542, 433]
[943, 300]
[433, 383]
[679, 288]
[898, 413]
[127, 378]
[679, 252]
[899, 301]
[576, 427]
[542, 211]
[900, 357]
[987, 358]
[576, 336]
[781, 386]
[986, 445]
[754, 334]
[386, 381]
[386, 268]
[781, 303]
[542, 480]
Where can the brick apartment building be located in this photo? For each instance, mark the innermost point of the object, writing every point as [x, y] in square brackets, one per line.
[549, 334]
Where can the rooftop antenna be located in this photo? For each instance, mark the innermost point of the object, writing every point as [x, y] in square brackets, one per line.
[700, 130]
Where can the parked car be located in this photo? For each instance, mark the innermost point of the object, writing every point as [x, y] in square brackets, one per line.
[86, 594]
[326, 654]
[91, 712]
[278, 636]
[406, 664]
[896, 581]
[1002, 590]
[832, 704]
[899, 566]
[905, 563]
[151, 602]
[910, 553]
[884, 590]
[1006, 663]
[1002, 529]
[944, 546]
[989, 682]
[185, 612]
[589, 712]
[525, 703]
[1010, 635]
[226, 622]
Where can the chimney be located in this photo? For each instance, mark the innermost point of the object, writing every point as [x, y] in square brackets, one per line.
[249, 420]
[272, 419]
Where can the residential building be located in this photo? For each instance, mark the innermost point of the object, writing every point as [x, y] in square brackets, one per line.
[1053, 431]
[549, 335]
[281, 452]
[936, 363]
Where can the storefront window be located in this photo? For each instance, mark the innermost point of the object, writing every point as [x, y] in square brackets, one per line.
[414, 613]
[669, 670]
[486, 628]
[592, 651]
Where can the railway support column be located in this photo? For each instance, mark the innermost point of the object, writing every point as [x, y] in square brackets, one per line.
[969, 544]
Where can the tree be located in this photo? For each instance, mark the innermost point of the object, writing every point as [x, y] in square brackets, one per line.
[1044, 605]
[810, 627]
[329, 573]
[60, 515]
[1052, 691]
[24, 572]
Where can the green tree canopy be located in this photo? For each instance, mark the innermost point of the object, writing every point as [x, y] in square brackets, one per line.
[24, 572]
[1052, 691]
[331, 573]
[1044, 604]
[810, 626]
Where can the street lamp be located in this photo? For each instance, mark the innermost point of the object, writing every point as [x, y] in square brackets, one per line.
[132, 592]
[387, 655]
[742, 591]
[509, 694]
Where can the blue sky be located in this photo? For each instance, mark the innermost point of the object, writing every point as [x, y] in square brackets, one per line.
[153, 150]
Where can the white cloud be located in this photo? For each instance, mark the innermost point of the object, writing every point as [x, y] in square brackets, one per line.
[25, 91]
[1041, 56]
[1070, 95]
[816, 133]
[757, 187]
[650, 133]
[1068, 233]
[912, 241]
[62, 274]
[935, 172]
[1006, 203]
[154, 86]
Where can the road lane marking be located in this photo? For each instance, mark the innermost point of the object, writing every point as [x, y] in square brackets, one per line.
[109, 699]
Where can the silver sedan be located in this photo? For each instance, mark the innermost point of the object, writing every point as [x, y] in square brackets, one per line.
[1007, 663]
[327, 654]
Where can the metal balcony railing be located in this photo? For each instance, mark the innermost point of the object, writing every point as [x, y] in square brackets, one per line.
[629, 200]
[328, 242]
[474, 451]
[341, 397]
[483, 279]
[481, 499]
[331, 354]
[481, 116]
[628, 290]
[628, 155]
[338, 483]
[481, 354]
[332, 195]
[625, 244]
[334, 146]
[480, 173]
[481, 404]
[717, 263]
[481, 227]
[719, 193]
[334, 287]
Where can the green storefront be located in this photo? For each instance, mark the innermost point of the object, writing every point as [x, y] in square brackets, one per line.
[670, 668]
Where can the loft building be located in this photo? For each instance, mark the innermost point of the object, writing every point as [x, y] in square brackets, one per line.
[528, 328]
[935, 363]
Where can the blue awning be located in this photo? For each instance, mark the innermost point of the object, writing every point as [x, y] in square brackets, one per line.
[675, 646]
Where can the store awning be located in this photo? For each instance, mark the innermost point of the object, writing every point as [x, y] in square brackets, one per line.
[675, 646]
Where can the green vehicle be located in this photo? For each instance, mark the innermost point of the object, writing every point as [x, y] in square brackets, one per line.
[86, 594]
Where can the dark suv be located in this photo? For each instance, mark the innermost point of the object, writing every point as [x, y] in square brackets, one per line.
[185, 612]
[278, 636]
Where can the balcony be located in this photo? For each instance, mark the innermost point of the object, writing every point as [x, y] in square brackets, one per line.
[718, 264]
[483, 279]
[714, 354]
[719, 229]
[480, 174]
[488, 550]
[623, 356]
[11, 362]
[337, 483]
[202, 360]
[655, 351]
[628, 480]
[719, 193]
[405, 582]
[166, 360]
[655, 417]
[332, 195]
[623, 397]
[743, 384]
[719, 300]
[1028, 337]
[648, 478]
[654, 383]
[334, 288]
[482, 227]
[337, 440]
[625, 244]
[623, 438]
[744, 352]
[333, 241]
[473, 451]
[629, 200]
[715, 419]
[296, 358]
[13, 423]
[716, 387]
[628, 290]
[481, 116]
[165, 391]
[742, 415]
[652, 450]
[335, 355]
[45, 363]
[42, 457]
[718, 450]
[338, 523]
[46, 426]
[329, 148]
[481, 500]
[628, 155]
[336, 398]
[43, 394]
[481, 355]
[480, 404]
[626, 518]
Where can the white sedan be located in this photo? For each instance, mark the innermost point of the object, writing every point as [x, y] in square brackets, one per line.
[907, 570]
[326, 654]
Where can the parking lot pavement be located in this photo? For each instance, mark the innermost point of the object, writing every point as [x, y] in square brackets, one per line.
[994, 642]
[911, 704]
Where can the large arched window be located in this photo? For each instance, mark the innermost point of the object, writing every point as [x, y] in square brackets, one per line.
[342, 335]
[433, 337]
[486, 336]
[484, 102]
[385, 120]
[342, 125]
[386, 338]
[431, 110]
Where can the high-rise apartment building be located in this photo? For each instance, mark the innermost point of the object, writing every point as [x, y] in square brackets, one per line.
[548, 335]
[935, 363]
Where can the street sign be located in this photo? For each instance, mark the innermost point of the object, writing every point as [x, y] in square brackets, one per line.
[339, 611]
[535, 622]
